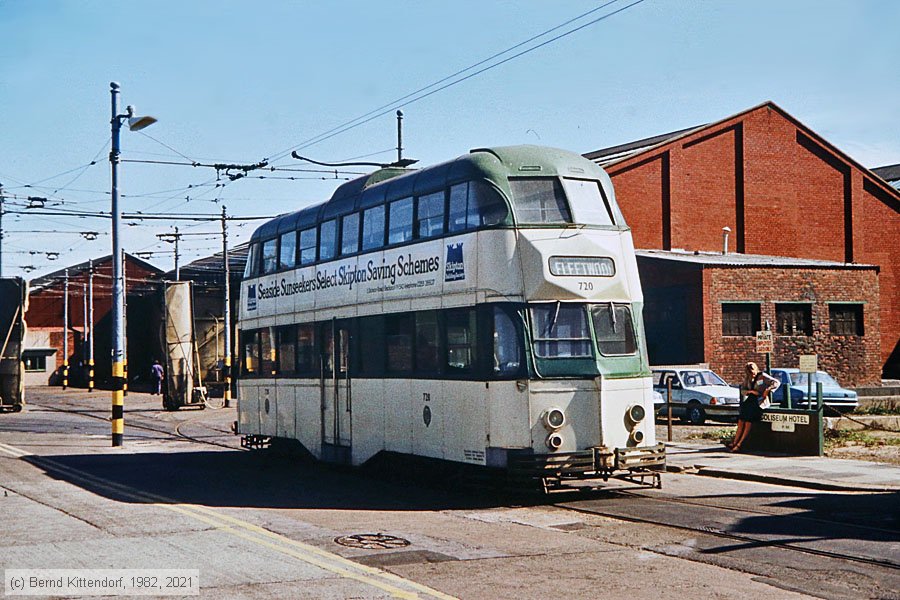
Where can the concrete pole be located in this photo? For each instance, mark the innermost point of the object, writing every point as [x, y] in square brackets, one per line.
[125, 319]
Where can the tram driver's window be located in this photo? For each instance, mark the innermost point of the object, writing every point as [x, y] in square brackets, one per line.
[507, 345]
[561, 330]
[270, 256]
[614, 328]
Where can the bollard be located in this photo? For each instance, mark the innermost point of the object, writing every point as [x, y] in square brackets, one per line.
[669, 407]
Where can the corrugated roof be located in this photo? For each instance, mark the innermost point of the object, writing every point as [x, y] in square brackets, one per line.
[890, 173]
[614, 153]
[49, 279]
[209, 269]
[734, 259]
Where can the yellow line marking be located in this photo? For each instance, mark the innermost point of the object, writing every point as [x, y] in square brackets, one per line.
[253, 533]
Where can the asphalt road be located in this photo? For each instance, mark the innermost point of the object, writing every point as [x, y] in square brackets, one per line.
[182, 494]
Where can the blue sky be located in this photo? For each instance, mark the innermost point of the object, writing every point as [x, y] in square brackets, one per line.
[238, 82]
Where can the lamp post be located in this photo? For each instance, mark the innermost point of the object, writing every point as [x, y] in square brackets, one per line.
[118, 288]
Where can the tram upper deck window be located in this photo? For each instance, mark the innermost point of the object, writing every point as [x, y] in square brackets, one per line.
[539, 200]
[270, 256]
[614, 328]
[350, 234]
[373, 228]
[588, 204]
[400, 221]
[308, 246]
[475, 204]
[327, 240]
[252, 267]
[561, 331]
[430, 215]
[287, 253]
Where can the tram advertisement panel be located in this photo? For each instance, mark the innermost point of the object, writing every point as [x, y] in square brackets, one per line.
[428, 268]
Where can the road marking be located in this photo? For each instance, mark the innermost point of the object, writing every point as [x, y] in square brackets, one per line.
[307, 553]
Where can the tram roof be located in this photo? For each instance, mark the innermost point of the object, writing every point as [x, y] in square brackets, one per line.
[392, 183]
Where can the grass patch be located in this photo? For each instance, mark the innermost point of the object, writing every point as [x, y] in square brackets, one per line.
[835, 438]
[720, 435]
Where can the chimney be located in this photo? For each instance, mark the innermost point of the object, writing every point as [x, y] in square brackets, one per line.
[725, 231]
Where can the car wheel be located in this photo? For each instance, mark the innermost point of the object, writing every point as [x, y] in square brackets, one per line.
[695, 413]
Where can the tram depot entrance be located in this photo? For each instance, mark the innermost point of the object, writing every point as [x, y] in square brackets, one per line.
[336, 392]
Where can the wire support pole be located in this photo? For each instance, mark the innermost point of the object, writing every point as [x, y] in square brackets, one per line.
[227, 313]
[118, 332]
[90, 324]
[65, 368]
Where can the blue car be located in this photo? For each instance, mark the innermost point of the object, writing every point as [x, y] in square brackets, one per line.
[833, 395]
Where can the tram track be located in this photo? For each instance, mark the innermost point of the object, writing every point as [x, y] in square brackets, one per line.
[733, 536]
[175, 432]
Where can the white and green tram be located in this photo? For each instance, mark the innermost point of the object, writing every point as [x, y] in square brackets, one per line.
[486, 311]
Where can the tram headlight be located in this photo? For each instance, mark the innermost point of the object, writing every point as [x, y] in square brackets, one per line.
[637, 436]
[554, 441]
[553, 419]
[636, 413]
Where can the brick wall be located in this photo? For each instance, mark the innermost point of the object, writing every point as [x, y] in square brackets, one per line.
[852, 360]
[781, 189]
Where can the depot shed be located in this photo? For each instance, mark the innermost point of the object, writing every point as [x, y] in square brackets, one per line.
[706, 307]
[782, 189]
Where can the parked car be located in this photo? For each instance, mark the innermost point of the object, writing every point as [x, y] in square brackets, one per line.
[833, 395]
[697, 394]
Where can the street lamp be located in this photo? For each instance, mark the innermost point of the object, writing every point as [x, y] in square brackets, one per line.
[118, 287]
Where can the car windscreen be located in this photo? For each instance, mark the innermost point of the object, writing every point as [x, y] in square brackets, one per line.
[801, 379]
[695, 378]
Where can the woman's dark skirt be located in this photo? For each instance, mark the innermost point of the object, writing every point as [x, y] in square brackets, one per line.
[750, 410]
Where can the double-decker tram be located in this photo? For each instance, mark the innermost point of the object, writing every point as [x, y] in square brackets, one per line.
[486, 311]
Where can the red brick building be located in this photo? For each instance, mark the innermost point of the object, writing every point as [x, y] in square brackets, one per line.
[45, 317]
[707, 307]
[781, 188]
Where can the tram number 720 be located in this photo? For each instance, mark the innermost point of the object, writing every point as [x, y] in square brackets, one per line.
[585, 286]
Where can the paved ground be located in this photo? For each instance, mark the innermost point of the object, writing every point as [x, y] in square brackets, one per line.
[181, 494]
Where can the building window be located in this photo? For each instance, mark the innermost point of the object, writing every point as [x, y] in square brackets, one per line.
[846, 319]
[740, 319]
[35, 362]
[793, 319]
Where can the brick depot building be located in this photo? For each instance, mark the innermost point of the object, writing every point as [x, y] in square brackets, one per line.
[784, 191]
[44, 340]
[707, 307]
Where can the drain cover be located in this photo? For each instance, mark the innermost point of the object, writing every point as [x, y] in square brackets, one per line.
[371, 541]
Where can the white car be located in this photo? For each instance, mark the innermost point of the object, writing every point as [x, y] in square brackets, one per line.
[697, 394]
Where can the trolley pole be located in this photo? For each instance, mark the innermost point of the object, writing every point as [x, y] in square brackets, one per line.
[399, 136]
[65, 371]
[227, 396]
[91, 325]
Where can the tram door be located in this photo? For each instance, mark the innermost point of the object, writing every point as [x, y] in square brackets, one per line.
[337, 397]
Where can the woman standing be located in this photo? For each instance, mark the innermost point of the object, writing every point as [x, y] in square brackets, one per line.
[758, 386]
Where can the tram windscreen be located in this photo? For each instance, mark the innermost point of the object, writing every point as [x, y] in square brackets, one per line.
[587, 202]
[539, 200]
[614, 328]
[561, 331]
